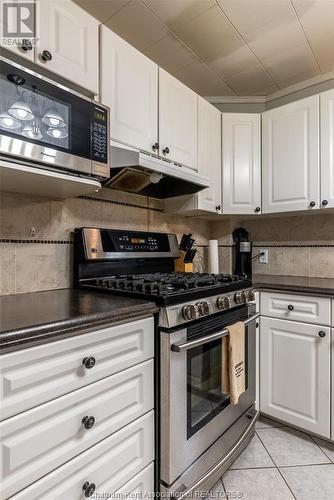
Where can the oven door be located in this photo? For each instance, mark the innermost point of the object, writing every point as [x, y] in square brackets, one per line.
[45, 123]
[194, 410]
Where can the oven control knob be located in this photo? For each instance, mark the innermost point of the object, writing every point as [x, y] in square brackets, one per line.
[190, 312]
[223, 302]
[203, 308]
[240, 297]
[251, 295]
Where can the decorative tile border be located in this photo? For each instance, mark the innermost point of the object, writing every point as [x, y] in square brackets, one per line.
[41, 242]
[122, 203]
[294, 245]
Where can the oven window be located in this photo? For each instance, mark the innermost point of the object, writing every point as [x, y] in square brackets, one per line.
[205, 399]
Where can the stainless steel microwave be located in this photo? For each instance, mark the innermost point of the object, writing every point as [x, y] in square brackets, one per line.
[46, 124]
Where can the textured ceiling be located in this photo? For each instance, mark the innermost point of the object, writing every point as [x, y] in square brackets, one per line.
[228, 47]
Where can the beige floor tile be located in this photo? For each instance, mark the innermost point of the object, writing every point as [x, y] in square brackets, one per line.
[310, 483]
[288, 447]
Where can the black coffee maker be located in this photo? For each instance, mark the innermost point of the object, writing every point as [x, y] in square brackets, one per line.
[242, 259]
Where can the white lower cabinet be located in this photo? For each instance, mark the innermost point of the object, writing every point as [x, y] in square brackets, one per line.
[40, 440]
[332, 394]
[141, 486]
[295, 374]
[104, 468]
[35, 375]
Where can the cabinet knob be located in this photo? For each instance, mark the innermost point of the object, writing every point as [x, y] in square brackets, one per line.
[88, 422]
[312, 203]
[324, 202]
[165, 150]
[257, 210]
[89, 362]
[290, 307]
[322, 334]
[89, 489]
[155, 146]
[46, 56]
[218, 207]
[26, 45]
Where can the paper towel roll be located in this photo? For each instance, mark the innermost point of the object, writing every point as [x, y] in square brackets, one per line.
[213, 257]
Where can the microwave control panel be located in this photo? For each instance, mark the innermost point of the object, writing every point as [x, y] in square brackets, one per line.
[100, 138]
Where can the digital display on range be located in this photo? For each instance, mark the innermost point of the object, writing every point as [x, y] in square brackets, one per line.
[138, 240]
[130, 241]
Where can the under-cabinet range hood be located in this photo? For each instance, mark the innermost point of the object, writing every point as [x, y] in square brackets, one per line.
[148, 175]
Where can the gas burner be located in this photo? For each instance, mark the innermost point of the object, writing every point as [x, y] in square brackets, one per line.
[170, 287]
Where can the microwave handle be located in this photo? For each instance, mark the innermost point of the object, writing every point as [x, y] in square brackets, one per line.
[184, 346]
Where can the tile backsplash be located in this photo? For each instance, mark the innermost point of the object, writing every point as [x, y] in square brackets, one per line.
[36, 234]
[36, 237]
[299, 245]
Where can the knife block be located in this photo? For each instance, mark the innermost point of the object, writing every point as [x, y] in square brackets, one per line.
[183, 267]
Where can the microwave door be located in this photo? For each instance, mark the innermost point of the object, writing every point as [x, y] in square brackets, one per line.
[43, 122]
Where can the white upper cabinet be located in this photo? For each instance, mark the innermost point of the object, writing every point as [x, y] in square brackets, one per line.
[177, 121]
[129, 85]
[26, 47]
[290, 167]
[327, 148]
[69, 36]
[209, 156]
[241, 144]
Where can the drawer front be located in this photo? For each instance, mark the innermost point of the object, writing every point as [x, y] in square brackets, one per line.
[141, 486]
[37, 441]
[296, 307]
[108, 465]
[39, 374]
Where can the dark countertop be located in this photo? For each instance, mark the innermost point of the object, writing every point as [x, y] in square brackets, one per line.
[297, 284]
[33, 318]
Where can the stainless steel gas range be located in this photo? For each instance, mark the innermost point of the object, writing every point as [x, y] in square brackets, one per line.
[199, 432]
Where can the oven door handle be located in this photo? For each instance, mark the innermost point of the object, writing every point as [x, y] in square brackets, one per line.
[184, 346]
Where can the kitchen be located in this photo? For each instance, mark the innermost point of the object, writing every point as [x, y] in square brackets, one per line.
[217, 119]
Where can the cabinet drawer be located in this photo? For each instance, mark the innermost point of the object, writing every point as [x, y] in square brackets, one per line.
[141, 486]
[38, 374]
[109, 465]
[39, 440]
[296, 307]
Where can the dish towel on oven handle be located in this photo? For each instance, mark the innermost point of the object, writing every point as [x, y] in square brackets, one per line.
[233, 362]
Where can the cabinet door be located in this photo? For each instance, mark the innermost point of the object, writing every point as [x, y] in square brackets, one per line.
[108, 465]
[295, 374]
[290, 168]
[71, 37]
[209, 155]
[241, 163]
[129, 85]
[332, 395]
[177, 121]
[18, 10]
[327, 149]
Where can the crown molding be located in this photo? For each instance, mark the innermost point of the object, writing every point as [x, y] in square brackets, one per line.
[292, 89]
[236, 99]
